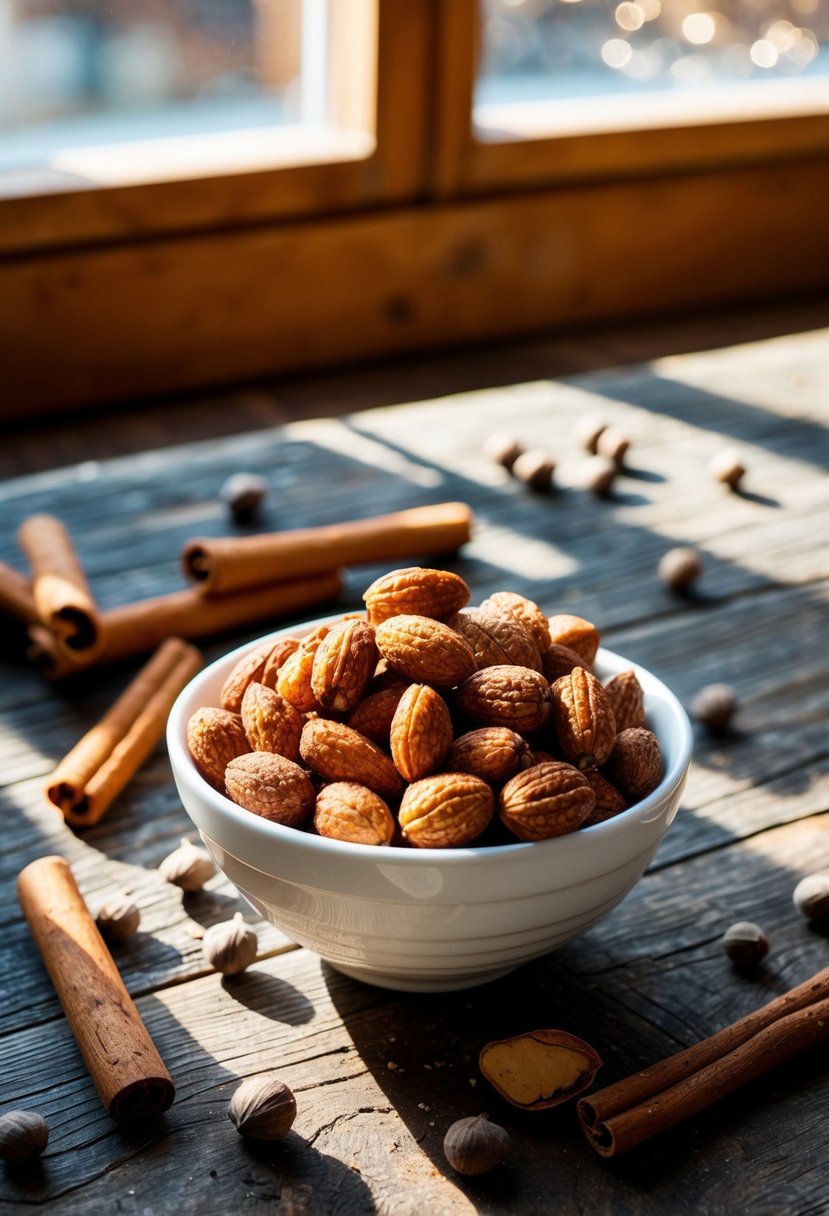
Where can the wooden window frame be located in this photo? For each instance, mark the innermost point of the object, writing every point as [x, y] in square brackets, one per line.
[433, 238]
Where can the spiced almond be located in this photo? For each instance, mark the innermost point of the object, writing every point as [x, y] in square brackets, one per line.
[547, 800]
[344, 662]
[424, 650]
[352, 812]
[496, 639]
[583, 718]
[271, 723]
[417, 591]
[421, 732]
[271, 786]
[337, 752]
[492, 753]
[635, 764]
[577, 634]
[517, 697]
[447, 810]
[214, 738]
[627, 700]
[510, 604]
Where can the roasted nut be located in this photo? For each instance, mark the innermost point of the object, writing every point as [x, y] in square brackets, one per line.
[421, 732]
[280, 652]
[745, 944]
[293, 680]
[352, 812]
[343, 665]
[188, 867]
[262, 1108]
[535, 468]
[598, 475]
[271, 723]
[474, 1146]
[24, 1135]
[214, 738]
[503, 448]
[587, 430]
[247, 671]
[540, 1069]
[549, 799]
[577, 634]
[445, 811]
[505, 695]
[635, 764]
[613, 443]
[118, 918]
[584, 721]
[230, 946]
[680, 567]
[492, 753]
[372, 716]
[271, 786]
[714, 706]
[415, 591]
[425, 650]
[523, 610]
[496, 640]
[609, 801]
[339, 753]
[627, 700]
[243, 494]
[559, 661]
[811, 897]
[726, 467]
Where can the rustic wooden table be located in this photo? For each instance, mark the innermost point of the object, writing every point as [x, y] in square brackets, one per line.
[378, 1075]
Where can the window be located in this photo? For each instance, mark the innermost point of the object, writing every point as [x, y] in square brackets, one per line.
[295, 182]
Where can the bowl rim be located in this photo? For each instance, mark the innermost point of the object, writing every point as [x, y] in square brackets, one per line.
[186, 773]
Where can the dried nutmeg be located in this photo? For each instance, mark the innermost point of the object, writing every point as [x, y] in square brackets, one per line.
[262, 1108]
[189, 866]
[475, 1145]
[598, 475]
[23, 1135]
[243, 494]
[811, 896]
[714, 706]
[230, 946]
[680, 567]
[614, 444]
[726, 467]
[535, 468]
[587, 431]
[118, 918]
[745, 944]
[539, 1069]
[503, 448]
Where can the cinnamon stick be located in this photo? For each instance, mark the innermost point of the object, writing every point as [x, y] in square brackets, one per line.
[136, 628]
[62, 598]
[222, 564]
[623, 1115]
[116, 1046]
[16, 598]
[89, 778]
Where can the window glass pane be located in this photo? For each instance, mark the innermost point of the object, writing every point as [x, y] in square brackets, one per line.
[82, 74]
[536, 50]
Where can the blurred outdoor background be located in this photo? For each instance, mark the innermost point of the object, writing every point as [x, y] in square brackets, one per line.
[90, 72]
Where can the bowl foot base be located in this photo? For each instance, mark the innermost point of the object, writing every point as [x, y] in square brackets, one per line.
[402, 983]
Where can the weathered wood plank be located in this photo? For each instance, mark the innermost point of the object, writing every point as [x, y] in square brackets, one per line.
[375, 1100]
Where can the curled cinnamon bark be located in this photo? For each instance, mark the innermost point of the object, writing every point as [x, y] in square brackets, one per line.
[16, 598]
[631, 1111]
[62, 598]
[136, 628]
[89, 778]
[116, 1046]
[223, 564]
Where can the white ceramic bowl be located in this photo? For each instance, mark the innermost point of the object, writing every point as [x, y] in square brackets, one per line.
[429, 920]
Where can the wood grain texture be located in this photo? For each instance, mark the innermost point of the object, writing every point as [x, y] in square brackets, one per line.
[379, 1076]
[206, 310]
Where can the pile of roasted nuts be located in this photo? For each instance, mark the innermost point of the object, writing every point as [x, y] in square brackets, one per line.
[415, 722]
